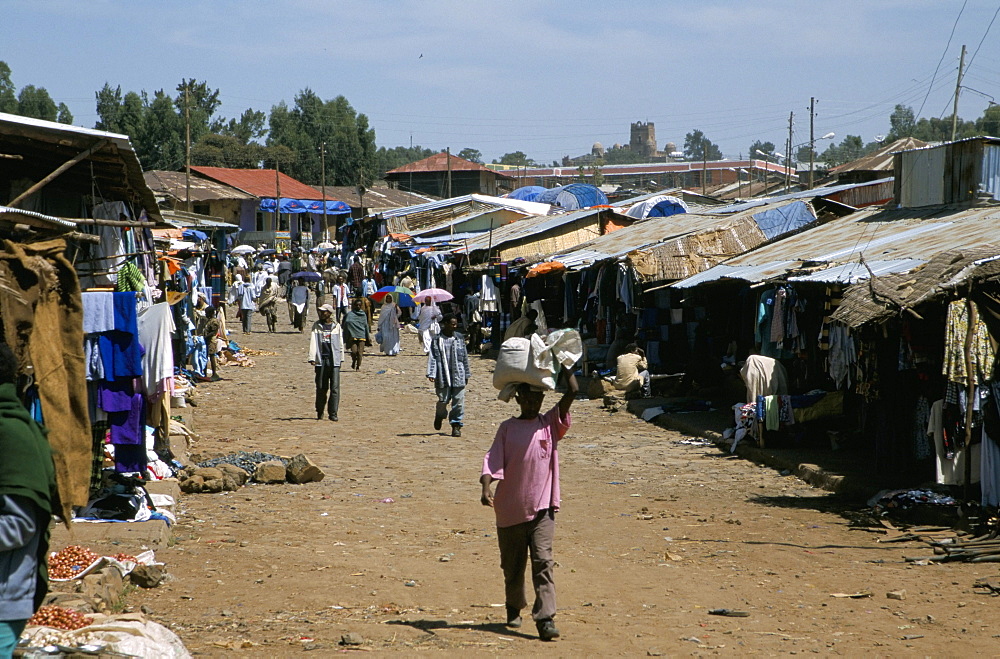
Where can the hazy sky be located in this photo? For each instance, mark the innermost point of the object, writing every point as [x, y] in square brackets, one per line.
[546, 77]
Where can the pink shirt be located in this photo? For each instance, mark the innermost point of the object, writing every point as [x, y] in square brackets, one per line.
[524, 458]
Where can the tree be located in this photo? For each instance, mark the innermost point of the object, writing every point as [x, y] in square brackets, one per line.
[902, 123]
[251, 125]
[766, 147]
[473, 155]
[989, 123]
[64, 116]
[388, 159]
[215, 150]
[351, 157]
[699, 147]
[35, 102]
[517, 158]
[8, 97]
[622, 156]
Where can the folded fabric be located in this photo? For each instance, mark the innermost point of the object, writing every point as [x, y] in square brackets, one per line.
[127, 427]
[121, 354]
[98, 312]
[125, 313]
[115, 395]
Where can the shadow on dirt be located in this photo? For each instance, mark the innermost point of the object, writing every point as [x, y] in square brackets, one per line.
[296, 418]
[430, 626]
[419, 434]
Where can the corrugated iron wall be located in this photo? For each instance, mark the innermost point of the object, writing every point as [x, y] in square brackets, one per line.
[950, 173]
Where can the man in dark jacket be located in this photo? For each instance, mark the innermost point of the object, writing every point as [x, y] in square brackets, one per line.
[448, 369]
[27, 493]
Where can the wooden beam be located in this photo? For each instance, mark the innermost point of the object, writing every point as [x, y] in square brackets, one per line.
[59, 170]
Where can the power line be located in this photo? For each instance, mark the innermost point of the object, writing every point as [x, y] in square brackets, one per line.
[945, 52]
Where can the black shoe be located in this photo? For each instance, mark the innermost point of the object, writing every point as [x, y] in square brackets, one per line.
[513, 617]
[547, 630]
[437, 421]
[456, 431]
[319, 416]
[333, 417]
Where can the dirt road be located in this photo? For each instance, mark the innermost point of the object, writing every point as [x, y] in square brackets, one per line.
[652, 535]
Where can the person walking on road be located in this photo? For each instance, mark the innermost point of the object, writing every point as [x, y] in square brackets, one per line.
[27, 493]
[341, 294]
[326, 353]
[388, 328]
[427, 318]
[298, 304]
[448, 369]
[267, 304]
[524, 459]
[357, 332]
[243, 294]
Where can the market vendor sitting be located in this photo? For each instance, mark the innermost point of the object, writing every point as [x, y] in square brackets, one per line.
[632, 375]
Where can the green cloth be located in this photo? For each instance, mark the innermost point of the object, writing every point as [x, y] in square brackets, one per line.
[356, 324]
[26, 470]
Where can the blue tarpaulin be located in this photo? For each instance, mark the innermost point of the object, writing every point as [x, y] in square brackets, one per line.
[305, 206]
[527, 193]
[573, 196]
[778, 221]
[667, 207]
[194, 234]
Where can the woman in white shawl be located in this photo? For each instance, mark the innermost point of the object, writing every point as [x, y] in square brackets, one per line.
[388, 327]
[267, 303]
[299, 300]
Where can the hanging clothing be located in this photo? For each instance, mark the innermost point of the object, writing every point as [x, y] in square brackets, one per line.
[156, 327]
[488, 295]
[956, 330]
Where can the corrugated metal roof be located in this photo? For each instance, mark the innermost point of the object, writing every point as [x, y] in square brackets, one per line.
[202, 189]
[875, 234]
[38, 220]
[452, 238]
[467, 217]
[804, 194]
[650, 232]
[849, 273]
[526, 228]
[439, 163]
[881, 159]
[483, 200]
[47, 145]
[261, 183]
[376, 199]
[635, 200]
[754, 274]
[184, 219]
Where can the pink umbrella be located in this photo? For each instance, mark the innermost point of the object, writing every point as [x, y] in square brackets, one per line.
[433, 294]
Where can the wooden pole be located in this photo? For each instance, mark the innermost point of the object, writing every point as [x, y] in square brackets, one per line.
[322, 169]
[59, 170]
[187, 145]
[277, 198]
[812, 139]
[958, 90]
[448, 152]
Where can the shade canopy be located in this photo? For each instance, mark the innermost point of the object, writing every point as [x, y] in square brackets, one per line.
[305, 206]
[527, 193]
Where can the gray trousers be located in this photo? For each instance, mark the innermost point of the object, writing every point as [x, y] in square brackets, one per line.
[516, 543]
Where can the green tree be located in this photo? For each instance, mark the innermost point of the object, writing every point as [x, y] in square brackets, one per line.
[766, 147]
[350, 141]
[388, 159]
[622, 156]
[989, 123]
[35, 102]
[699, 147]
[64, 116]
[517, 158]
[251, 125]
[472, 155]
[8, 95]
[902, 123]
[215, 150]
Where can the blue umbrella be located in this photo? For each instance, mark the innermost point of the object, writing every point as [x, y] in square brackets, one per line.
[307, 275]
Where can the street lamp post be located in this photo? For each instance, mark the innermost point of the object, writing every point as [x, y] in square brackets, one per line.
[812, 153]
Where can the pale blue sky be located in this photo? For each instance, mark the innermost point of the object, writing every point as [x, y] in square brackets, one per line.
[547, 78]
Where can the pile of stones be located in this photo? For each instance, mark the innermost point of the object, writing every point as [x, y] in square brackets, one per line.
[223, 474]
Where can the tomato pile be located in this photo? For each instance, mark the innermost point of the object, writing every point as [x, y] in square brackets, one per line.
[71, 561]
[59, 618]
[123, 557]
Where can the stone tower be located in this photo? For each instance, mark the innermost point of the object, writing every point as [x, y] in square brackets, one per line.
[642, 139]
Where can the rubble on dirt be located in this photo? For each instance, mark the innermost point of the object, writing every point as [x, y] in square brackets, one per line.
[230, 472]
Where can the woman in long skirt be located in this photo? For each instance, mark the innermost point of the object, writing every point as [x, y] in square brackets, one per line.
[388, 327]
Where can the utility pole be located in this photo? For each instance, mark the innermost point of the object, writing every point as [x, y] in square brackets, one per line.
[704, 164]
[322, 176]
[187, 145]
[788, 154]
[448, 152]
[812, 139]
[958, 89]
[277, 196]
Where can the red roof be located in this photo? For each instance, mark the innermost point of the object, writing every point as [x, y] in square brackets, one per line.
[439, 163]
[260, 182]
